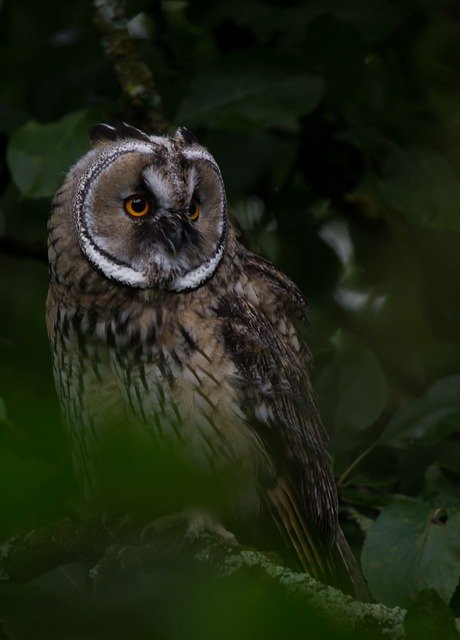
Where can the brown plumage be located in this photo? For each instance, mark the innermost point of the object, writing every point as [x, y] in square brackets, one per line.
[162, 318]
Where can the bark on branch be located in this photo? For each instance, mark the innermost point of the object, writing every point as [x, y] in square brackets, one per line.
[27, 556]
[23, 248]
[135, 77]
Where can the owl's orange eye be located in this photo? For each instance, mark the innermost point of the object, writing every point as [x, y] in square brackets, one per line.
[137, 206]
[194, 210]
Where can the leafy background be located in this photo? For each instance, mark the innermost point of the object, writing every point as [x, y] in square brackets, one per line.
[337, 127]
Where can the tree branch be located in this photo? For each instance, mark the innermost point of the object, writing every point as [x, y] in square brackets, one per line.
[23, 248]
[27, 556]
[136, 79]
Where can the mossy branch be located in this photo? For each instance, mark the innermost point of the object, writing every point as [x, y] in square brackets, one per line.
[23, 248]
[29, 555]
[135, 77]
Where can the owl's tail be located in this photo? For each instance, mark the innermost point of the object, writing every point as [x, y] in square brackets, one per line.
[334, 565]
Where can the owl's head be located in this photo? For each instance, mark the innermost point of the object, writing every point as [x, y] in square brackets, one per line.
[150, 211]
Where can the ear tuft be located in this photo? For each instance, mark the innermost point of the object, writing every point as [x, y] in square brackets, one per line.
[125, 130]
[186, 135]
[100, 133]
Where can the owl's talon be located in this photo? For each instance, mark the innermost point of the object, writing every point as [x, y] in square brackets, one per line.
[206, 524]
[197, 523]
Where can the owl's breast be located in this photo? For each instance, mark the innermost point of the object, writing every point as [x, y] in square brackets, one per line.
[184, 389]
[165, 375]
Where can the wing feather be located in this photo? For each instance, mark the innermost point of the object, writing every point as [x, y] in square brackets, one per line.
[280, 404]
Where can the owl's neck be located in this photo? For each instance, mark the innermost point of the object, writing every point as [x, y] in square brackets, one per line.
[75, 283]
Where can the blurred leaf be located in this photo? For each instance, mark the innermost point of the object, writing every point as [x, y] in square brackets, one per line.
[364, 497]
[428, 419]
[379, 469]
[325, 41]
[412, 546]
[26, 478]
[442, 486]
[11, 119]
[177, 601]
[422, 186]
[267, 158]
[249, 212]
[29, 611]
[3, 416]
[39, 154]
[242, 100]
[352, 388]
[137, 475]
[428, 618]
[375, 20]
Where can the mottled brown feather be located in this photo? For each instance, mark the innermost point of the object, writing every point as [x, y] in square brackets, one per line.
[219, 371]
[304, 496]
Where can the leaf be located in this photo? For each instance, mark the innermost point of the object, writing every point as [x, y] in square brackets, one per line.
[375, 20]
[410, 547]
[38, 155]
[423, 186]
[3, 416]
[426, 420]
[442, 486]
[325, 41]
[352, 389]
[25, 478]
[11, 118]
[267, 157]
[427, 616]
[240, 100]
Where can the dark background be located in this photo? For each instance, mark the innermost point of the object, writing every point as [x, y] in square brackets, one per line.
[337, 128]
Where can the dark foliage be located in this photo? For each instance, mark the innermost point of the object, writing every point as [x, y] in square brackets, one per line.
[336, 124]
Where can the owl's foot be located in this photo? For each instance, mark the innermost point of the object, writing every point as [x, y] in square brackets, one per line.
[196, 521]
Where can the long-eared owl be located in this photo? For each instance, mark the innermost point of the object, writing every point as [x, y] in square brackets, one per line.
[156, 311]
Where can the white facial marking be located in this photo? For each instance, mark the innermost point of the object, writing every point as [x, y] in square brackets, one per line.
[94, 247]
[192, 182]
[159, 185]
[120, 273]
[195, 277]
[161, 140]
[91, 245]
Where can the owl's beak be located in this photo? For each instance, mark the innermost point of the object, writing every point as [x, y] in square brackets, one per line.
[176, 236]
[171, 232]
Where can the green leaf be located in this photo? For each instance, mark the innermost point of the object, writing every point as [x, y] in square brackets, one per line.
[426, 420]
[240, 100]
[39, 154]
[428, 618]
[352, 388]
[25, 478]
[3, 416]
[442, 486]
[325, 41]
[11, 118]
[410, 547]
[423, 186]
[267, 157]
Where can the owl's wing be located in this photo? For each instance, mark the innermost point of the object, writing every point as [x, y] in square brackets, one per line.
[280, 404]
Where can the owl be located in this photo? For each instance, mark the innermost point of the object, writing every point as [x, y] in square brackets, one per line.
[157, 313]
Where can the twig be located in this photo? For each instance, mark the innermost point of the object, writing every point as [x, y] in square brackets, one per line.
[133, 74]
[23, 248]
[355, 463]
